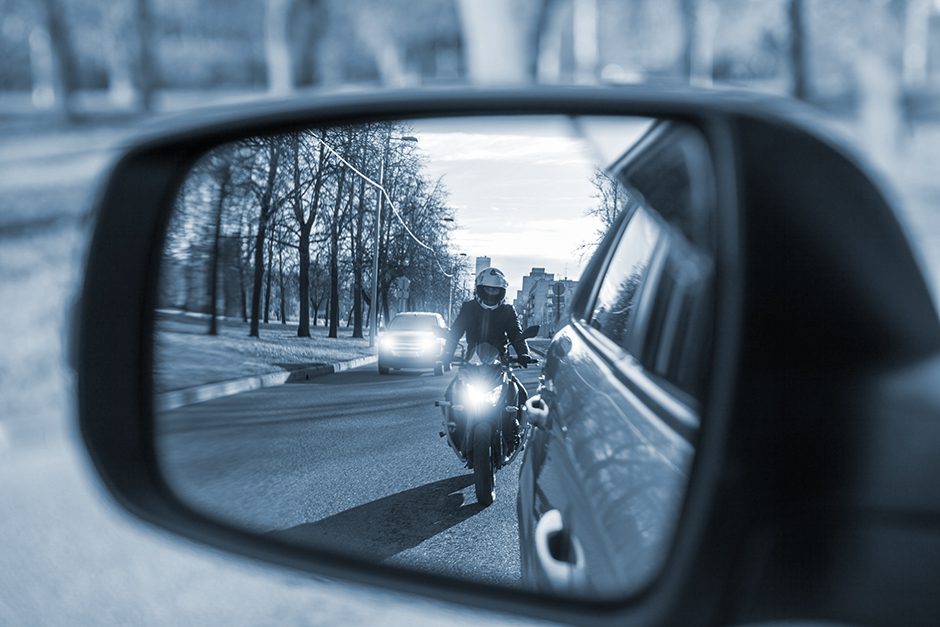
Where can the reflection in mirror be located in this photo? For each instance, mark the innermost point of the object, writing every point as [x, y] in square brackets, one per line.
[308, 388]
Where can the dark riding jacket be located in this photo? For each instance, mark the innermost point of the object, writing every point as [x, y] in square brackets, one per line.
[498, 327]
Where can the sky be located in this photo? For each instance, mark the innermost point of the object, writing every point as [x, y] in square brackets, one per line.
[521, 186]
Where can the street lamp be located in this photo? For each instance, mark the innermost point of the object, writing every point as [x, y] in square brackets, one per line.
[374, 308]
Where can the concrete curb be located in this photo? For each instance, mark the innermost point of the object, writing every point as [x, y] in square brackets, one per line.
[169, 401]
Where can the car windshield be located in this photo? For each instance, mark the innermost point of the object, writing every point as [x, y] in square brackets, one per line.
[413, 323]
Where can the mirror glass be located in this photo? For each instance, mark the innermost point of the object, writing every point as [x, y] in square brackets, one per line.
[321, 295]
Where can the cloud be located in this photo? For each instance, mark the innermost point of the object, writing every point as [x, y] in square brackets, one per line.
[446, 147]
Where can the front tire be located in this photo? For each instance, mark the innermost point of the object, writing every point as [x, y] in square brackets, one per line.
[383, 369]
[438, 369]
[484, 474]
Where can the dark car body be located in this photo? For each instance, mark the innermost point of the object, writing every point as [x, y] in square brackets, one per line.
[413, 339]
[613, 454]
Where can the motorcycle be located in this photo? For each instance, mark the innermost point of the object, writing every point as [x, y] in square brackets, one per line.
[483, 411]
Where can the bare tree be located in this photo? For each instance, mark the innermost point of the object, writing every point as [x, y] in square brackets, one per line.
[223, 174]
[356, 246]
[612, 199]
[265, 208]
[335, 232]
[268, 276]
[305, 218]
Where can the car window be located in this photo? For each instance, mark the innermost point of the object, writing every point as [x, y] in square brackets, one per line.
[615, 307]
[413, 323]
[656, 295]
[677, 337]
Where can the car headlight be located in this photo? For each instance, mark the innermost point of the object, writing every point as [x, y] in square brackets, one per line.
[429, 344]
[476, 397]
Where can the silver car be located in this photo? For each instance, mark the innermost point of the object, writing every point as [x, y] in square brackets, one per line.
[413, 339]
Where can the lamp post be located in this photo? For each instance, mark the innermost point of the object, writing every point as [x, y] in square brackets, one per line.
[374, 307]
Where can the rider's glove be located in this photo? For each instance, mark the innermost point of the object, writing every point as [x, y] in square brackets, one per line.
[524, 360]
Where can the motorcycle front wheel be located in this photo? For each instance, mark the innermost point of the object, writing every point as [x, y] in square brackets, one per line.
[484, 472]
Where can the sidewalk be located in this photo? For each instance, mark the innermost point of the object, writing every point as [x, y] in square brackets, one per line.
[191, 366]
[169, 401]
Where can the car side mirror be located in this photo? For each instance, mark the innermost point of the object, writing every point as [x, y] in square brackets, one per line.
[530, 332]
[746, 305]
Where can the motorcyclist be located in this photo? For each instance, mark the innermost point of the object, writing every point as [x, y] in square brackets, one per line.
[488, 319]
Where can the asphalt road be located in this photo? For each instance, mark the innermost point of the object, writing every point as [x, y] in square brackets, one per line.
[350, 460]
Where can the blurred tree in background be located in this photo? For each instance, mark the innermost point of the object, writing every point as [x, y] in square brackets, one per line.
[866, 59]
[281, 226]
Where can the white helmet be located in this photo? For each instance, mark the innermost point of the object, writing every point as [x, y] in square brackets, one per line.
[491, 287]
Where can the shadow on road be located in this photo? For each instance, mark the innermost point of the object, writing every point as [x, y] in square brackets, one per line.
[383, 528]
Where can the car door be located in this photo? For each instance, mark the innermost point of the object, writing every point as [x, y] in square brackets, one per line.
[608, 467]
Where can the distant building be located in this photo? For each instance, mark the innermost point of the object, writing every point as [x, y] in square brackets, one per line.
[544, 301]
[482, 264]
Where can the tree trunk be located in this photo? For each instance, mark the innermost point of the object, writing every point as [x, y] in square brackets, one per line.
[259, 276]
[358, 262]
[303, 325]
[145, 75]
[498, 41]
[699, 25]
[131, 67]
[52, 58]
[916, 53]
[241, 278]
[267, 282]
[586, 52]
[263, 217]
[214, 257]
[334, 255]
[799, 62]
[277, 49]
[306, 226]
[280, 285]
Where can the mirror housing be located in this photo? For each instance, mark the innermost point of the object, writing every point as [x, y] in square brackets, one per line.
[818, 288]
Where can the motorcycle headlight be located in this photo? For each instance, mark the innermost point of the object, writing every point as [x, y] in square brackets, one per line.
[476, 397]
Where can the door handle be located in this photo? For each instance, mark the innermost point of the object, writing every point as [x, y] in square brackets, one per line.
[559, 553]
[536, 410]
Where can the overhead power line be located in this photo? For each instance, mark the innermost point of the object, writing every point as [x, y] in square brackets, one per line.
[391, 204]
